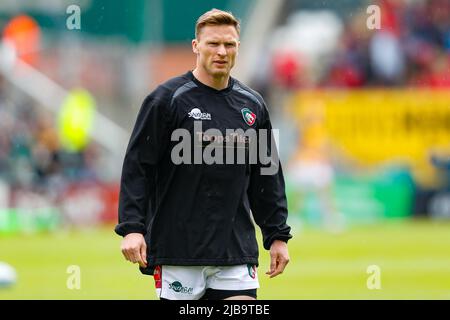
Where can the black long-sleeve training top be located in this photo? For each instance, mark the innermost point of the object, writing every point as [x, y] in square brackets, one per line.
[199, 213]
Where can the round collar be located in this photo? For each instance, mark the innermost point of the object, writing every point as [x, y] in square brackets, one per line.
[211, 89]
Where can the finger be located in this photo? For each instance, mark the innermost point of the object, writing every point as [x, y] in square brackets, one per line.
[126, 254]
[277, 271]
[273, 263]
[142, 264]
[129, 255]
[280, 267]
[140, 259]
[144, 255]
[135, 255]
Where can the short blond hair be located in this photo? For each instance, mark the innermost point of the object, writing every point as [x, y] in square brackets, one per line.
[216, 17]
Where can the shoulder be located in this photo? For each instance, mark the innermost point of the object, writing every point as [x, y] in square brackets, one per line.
[167, 91]
[251, 94]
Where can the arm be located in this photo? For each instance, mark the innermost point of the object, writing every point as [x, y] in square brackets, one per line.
[268, 203]
[138, 174]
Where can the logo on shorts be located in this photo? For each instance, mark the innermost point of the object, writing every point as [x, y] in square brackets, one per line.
[251, 270]
[157, 277]
[178, 287]
[198, 115]
[249, 116]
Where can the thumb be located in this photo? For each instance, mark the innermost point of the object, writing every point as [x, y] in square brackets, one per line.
[144, 253]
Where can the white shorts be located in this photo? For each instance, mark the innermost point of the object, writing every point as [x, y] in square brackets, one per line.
[191, 282]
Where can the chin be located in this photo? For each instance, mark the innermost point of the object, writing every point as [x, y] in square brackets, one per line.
[219, 72]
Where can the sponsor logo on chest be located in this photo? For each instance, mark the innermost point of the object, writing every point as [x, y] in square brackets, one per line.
[197, 114]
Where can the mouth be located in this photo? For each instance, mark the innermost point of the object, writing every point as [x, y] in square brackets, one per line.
[220, 62]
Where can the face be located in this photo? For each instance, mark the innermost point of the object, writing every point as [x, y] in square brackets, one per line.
[216, 49]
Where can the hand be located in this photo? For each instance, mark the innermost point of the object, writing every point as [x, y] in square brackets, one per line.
[279, 258]
[134, 249]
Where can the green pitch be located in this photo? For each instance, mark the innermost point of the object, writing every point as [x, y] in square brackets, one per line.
[413, 259]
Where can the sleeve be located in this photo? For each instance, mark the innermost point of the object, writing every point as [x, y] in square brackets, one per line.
[266, 190]
[145, 148]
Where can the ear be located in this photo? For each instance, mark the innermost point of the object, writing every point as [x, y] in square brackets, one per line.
[194, 46]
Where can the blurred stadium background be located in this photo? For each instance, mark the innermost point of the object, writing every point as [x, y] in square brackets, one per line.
[363, 114]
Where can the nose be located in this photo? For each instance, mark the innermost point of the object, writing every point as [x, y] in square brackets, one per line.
[221, 51]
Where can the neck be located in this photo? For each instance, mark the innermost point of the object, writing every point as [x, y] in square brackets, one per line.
[218, 83]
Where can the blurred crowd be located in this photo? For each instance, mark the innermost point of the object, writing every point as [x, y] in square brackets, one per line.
[411, 48]
[31, 156]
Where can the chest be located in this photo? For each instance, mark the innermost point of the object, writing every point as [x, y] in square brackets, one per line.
[220, 112]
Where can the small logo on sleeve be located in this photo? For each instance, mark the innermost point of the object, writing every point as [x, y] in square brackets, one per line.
[249, 116]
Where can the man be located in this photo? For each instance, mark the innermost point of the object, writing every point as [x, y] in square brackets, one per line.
[189, 224]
